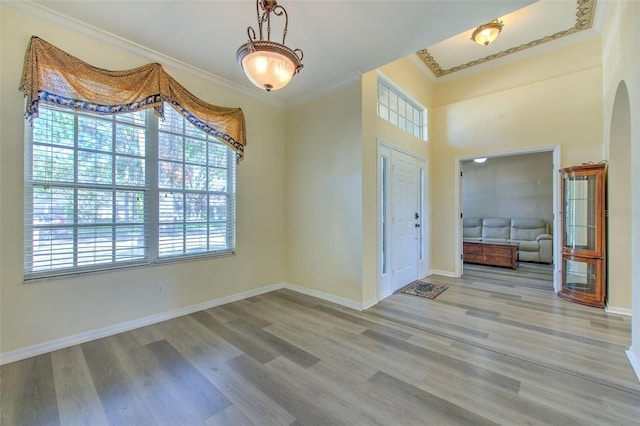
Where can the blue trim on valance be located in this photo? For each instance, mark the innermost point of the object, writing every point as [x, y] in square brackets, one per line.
[52, 98]
[202, 125]
[153, 100]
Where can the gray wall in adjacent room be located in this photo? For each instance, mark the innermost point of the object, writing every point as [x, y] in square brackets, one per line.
[519, 186]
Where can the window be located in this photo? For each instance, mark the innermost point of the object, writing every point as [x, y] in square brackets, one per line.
[398, 109]
[105, 191]
[196, 187]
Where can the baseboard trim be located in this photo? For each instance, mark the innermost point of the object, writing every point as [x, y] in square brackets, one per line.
[88, 336]
[619, 311]
[76, 339]
[358, 306]
[443, 273]
[383, 296]
[372, 302]
[634, 359]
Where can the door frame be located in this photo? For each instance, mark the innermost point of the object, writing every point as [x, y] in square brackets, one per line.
[385, 279]
[557, 214]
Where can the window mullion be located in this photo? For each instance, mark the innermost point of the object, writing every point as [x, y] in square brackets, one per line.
[76, 153]
[231, 193]
[28, 198]
[114, 150]
[208, 195]
[152, 210]
[184, 190]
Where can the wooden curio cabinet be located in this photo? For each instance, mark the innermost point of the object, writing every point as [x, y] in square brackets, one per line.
[583, 234]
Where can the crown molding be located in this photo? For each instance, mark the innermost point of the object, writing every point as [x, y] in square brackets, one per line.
[43, 13]
[584, 20]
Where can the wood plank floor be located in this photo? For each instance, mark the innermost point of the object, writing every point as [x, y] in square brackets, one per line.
[494, 348]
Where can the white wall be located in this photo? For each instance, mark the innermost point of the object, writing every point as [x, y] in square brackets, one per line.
[514, 186]
[47, 311]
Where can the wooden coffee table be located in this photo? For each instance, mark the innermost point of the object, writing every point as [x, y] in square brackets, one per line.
[491, 253]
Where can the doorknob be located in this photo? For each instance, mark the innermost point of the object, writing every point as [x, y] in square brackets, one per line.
[417, 216]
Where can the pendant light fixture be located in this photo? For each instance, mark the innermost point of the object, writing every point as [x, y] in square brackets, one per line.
[268, 64]
[487, 33]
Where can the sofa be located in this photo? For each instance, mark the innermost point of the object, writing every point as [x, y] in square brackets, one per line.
[535, 242]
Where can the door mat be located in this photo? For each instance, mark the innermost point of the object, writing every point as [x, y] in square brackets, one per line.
[424, 289]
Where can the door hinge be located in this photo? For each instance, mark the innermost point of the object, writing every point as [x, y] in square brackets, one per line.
[462, 256]
[460, 174]
[461, 215]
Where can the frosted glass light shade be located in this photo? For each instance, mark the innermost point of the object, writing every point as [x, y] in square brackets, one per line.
[268, 70]
[268, 65]
[487, 33]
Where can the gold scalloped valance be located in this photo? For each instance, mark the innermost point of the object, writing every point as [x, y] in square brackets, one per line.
[53, 76]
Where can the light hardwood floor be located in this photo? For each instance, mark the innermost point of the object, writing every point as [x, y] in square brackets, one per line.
[494, 348]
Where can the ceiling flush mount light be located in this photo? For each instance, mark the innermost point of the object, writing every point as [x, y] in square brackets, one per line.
[268, 64]
[480, 160]
[487, 33]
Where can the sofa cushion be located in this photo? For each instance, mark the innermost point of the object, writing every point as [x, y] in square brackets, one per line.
[530, 256]
[527, 245]
[527, 229]
[472, 227]
[472, 221]
[495, 228]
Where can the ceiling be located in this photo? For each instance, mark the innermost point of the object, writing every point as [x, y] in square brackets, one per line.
[546, 23]
[340, 39]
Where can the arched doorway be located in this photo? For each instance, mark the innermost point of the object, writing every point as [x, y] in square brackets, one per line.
[621, 221]
[619, 205]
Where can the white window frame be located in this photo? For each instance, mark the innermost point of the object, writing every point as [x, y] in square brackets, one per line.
[151, 190]
[400, 109]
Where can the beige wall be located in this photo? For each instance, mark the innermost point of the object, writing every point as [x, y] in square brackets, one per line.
[514, 186]
[547, 65]
[332, 210]
[621, 63]
[410, 76]
[323, 187]
[41, 312]
[332, 213]
[565, 110]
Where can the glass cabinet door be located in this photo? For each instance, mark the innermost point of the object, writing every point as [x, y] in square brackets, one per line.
[580, 276]
[583, 234]
[582, 280]
[580, 212]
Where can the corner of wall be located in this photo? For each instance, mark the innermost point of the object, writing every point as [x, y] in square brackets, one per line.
[634, 359]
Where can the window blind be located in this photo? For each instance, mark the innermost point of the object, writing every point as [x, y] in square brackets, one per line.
[115, 190]
[196, 184]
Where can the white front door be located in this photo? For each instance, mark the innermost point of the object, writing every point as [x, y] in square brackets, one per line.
[405, 213]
